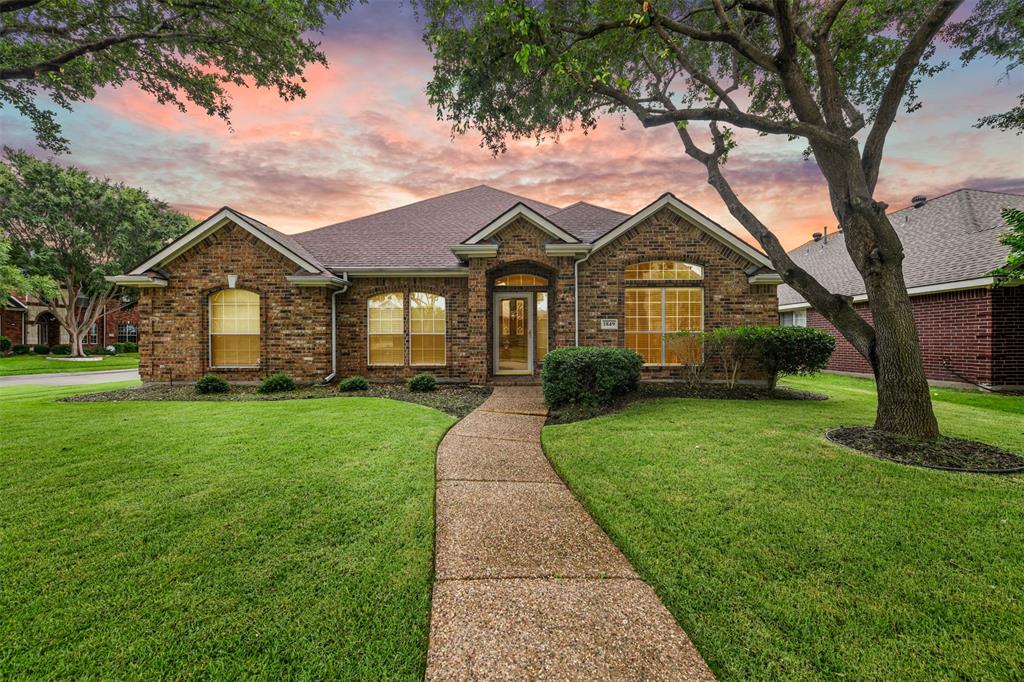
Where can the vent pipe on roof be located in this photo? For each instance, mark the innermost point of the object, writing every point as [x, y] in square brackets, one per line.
[816, 236]
[919, 201]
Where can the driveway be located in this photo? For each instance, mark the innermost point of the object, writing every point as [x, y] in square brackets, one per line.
[70, 378]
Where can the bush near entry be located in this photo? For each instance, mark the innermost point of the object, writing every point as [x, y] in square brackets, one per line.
[589, 375]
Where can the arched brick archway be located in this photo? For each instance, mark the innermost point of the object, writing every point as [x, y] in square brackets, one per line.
[47, 329]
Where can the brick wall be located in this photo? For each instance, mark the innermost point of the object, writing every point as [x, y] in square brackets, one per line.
[729, 300]
[957, 325]
[115, 316]
[294, 325]
[1008, 336]
[12, 325]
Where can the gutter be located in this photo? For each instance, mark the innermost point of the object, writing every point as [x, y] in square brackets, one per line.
[576, 294]
[342, 288]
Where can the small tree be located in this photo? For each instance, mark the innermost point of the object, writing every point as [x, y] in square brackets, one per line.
[74, 229]
[176, 51]
[1013, 271]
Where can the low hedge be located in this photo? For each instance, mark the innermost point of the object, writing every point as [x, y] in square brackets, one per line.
[41, 349]
[353, 384]
[20, 349]
[589, 375]
[277, 383]
[211, 383]
[60, 349]
[422, 383]
[5, 344]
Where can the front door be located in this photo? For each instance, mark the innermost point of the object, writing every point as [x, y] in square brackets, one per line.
[513, 333]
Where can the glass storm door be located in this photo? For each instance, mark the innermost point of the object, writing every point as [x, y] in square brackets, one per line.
[513, 333]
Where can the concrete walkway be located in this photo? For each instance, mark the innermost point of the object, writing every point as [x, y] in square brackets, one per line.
[528, 586]
[71, 378]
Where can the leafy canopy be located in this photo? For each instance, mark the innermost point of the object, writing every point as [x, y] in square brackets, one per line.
[13, 280]
[76, 229]
[1013, 271]
[176, 51]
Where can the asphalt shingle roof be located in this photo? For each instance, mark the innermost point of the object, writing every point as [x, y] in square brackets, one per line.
[586, 221]
[951, 238]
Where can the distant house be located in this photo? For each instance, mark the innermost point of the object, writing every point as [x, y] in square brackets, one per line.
[27, 320]
[970, 332]
[475, 285]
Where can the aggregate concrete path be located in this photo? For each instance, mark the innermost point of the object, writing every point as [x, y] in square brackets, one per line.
[528, 586]
[70, 378]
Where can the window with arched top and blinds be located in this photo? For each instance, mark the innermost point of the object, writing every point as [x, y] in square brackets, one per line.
[654, 313]
[385, 329]
[234, 328]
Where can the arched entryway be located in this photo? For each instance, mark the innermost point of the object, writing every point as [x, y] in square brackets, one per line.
[521, 297]
[47, 329]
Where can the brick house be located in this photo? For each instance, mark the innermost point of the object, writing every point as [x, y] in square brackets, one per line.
[971, 332]
[27, 320]
[470, 286]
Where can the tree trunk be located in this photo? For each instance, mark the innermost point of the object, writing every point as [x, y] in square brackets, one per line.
[904, 401]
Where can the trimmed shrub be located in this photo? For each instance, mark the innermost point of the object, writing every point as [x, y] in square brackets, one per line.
[422, 383]
[130, 347]
[120, 348]
[277, 383]
[211, 383]
[353, 384]
[792, 350]
[589, 375]
[19, 349]
[60, 349]
[99, 350]
[41, 349]
[5, 344]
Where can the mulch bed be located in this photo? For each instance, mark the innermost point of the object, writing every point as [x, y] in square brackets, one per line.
[947, 454]
[456, 400]
[669, 389]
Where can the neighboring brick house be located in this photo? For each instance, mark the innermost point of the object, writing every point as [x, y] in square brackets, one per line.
[970, 332]
[27, 320]
[469, 286]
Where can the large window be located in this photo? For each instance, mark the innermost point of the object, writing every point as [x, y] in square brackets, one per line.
[426, 329]
[234, 328]
[93, 337]
[663, 270]
[520, 281]
[654, 313]
[385, 329]
[127, 333]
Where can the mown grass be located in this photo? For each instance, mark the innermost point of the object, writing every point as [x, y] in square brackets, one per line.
[786, 557]
[230, 540]
[38, 364]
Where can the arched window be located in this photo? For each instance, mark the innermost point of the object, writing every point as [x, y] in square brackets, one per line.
[653, 314]
[521, 281]
[426, 329]
[234, 328]
[385, 329]
[663, 270]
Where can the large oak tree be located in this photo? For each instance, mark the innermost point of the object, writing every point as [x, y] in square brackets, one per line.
[178, 51]
[68, 227]
[830, 72]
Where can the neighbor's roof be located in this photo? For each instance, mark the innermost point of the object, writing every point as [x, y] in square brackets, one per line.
[952, 238]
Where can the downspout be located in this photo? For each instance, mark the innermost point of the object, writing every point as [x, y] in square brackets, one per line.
[334, 329]
[576, 294]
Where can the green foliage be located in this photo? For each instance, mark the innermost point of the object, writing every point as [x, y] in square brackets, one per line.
[60, 349]
[1013, 271]
[64, 50]
[422, 383]
[5, 344]
[12, 279]
[211, 383]
[41, 349]
[792, 350]
[119, 347]
[589, 375]
[353, 384]
[20, 349]
[130, 347]
[277, 383]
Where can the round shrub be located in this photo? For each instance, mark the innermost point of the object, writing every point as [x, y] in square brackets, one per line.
[277, 383]
[130, 347]
[5, 344]
[589, 375]
[211, 383]
[19, 349]
[792, 350]
[60, 349]
[353, 384]
[422, 383]
[120, 348]
[41, 349]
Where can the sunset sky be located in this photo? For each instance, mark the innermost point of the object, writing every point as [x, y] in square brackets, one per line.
[365, 140]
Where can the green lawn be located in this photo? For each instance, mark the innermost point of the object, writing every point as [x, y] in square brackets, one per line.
[786, 557]
[227, 540]
[38, 364]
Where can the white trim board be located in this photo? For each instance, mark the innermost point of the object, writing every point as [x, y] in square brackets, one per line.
[521, 211]
[208, 227]
[711, 228]
[944, 287]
